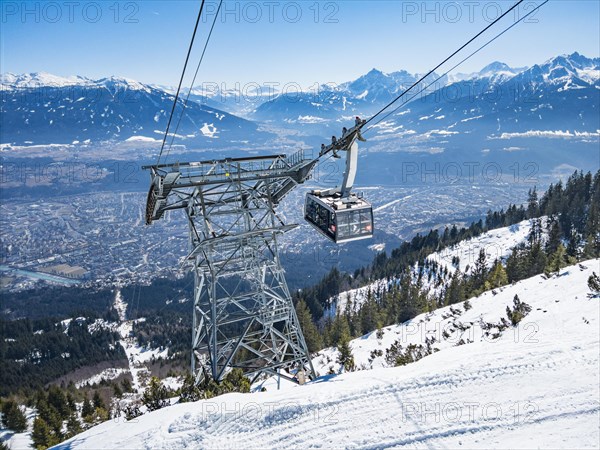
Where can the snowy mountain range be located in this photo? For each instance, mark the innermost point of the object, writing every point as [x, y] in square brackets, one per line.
[41, 108]
[363, 96]
[547, 114]
[561, 94]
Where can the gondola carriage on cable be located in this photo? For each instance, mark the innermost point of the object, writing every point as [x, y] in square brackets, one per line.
[340, 214]
[337, 218]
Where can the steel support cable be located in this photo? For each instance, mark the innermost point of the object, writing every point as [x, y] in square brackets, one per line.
[457, 65]
[193, 80]
[181, 81]
[445, 60]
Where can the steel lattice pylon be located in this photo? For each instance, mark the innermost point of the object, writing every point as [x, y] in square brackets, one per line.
[243, 314]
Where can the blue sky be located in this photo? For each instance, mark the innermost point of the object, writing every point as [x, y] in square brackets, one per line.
[280, 41]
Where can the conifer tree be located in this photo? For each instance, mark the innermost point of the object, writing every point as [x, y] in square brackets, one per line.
[117, 391]
[594, 284]
[97, 401]
[87, 408]
[71, 403]
[554, 235]
[311, 334]
[480, 270]
[340, 328]
[557, 261]
[190, 392]
[520, 310]
[126, 384]
[345, 358]
[73, 426]
[238, 381]
[455, 291]
[497, 277]
[532, 203]
[58, 400]
[41, 435]
[13, 417]
[156, 395]
[573, 244]
[536, 260]
[50, 416]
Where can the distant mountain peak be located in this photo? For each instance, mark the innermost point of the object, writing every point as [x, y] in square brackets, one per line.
[496, 66]
[574, 61]
[375, 72]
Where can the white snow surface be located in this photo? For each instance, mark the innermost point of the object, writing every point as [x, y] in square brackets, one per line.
[209, 130]
[142, 139]
[535, 386]
[106, 374]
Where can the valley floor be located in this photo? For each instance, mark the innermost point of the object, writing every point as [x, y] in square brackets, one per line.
[535, 386]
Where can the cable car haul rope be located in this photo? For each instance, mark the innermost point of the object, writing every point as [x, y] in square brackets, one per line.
[343, 216]
[339, 214]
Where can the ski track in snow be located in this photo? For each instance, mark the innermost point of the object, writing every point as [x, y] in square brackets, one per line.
[521, 390]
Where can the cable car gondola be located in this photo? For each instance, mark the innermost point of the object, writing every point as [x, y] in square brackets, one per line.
[341, 220]
[339, 214]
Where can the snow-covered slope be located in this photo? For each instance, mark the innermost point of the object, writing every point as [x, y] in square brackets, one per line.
[536, 385]
[496, 243]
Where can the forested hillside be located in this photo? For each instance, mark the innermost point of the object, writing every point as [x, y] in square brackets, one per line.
[569, 232]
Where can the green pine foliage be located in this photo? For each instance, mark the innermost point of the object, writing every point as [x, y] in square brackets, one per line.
[42, 436]
[345, 358]
[556, 261]
[314, 342]
[497, 277]
[234, 381]
[594, 285]
[73, 426]
[98, 416]
[189, 391]
[87, 408]
[58, 400]
[13, 417]
[97, 401]
[117, 391]
[156, 395]
[519, 311]
[126, 385]
[397, 355]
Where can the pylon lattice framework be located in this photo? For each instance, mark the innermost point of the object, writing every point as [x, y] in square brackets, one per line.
[243, 314]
